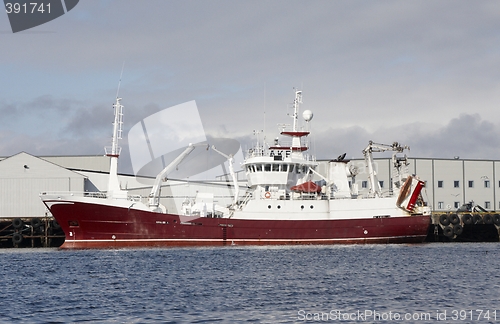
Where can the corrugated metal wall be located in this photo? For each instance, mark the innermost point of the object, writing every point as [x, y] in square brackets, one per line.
[23, 177]
[20, 197]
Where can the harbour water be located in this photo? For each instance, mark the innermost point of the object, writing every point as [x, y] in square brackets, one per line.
[425, 283]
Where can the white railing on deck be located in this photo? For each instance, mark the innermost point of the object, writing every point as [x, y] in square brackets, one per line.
[96, 194]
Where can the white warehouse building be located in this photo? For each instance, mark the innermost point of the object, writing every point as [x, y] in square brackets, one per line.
[449, 182]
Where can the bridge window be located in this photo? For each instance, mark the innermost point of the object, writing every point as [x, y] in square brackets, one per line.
[258, 167]
[267, 167]
[276, 167]
[291, 168]
[284, 167]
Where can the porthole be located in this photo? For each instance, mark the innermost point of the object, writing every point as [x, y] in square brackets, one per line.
[269, 206]
[312, 206]
[302, 207]
[279, 206]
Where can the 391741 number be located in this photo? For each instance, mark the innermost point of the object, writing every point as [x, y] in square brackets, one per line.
[474, 315]
[32, 7]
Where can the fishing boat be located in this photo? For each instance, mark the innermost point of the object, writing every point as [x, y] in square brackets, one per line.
[287, 201]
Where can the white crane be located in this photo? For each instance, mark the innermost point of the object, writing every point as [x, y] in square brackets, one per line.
[372, 175]
[230, 160]
[154, 196]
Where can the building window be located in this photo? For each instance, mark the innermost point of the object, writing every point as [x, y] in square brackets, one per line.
[486, 183]
[487, 205]
[440, 205]
[364, 184]
[456, 204]
[456, 184]
[440, 183]
[381, 183]
[471, 184]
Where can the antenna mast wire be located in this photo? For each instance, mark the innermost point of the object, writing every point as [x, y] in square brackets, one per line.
[120, 81]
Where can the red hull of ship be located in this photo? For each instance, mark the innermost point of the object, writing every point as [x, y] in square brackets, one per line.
[102, 226]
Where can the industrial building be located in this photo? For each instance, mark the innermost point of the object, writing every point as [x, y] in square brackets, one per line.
[449, 182]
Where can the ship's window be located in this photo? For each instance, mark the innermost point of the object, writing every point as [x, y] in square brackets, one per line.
[456, 184]
[381, 182]
[456, 204]
[253, 168]
[276, 167]
[471, 183]
[284, 167]
[298, 169]
[440, 205]
[279, 206]
[486, 183]
[291, 168]
[267, 167]
[311, 206]
[258, 167]
[440, 183]
[269, 206]
[302, 207]
[364, 184]
[487, 205]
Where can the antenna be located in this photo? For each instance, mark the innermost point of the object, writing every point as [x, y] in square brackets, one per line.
[120, 81]
[264, 130]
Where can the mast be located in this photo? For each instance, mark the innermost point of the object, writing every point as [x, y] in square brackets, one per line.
[297, 148]
[296, 102]
[114, 190]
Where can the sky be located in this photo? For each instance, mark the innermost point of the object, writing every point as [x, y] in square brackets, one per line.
[423, 73]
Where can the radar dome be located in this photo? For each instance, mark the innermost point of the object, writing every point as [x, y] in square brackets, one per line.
[307, 115]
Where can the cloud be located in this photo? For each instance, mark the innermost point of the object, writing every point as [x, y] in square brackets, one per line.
[466, 136]
[422, 73]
